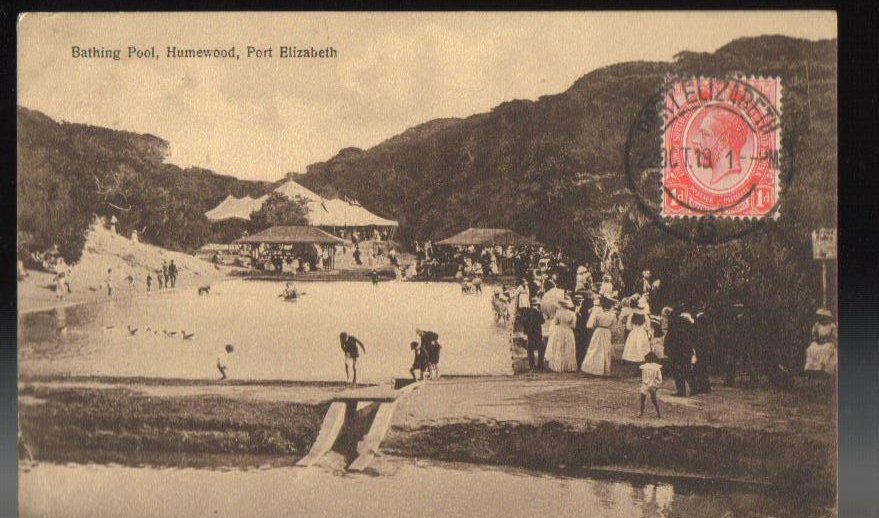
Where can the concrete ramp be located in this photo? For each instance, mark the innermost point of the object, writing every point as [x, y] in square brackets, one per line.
[368, 447]
[355, 425]
[329, 433]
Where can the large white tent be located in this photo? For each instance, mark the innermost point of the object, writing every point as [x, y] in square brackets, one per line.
[323, 212]
[235, 208]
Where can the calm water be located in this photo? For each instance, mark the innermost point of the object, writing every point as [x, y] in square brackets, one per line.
[404, 488]
[274, 339]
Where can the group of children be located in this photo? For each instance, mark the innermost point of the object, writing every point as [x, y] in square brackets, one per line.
[165, 276]
[427, 353]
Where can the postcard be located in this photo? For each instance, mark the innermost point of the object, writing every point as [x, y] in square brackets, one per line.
[427, 264]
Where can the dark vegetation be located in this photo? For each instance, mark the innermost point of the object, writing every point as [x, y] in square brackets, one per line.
[68, 173]
[279, 210]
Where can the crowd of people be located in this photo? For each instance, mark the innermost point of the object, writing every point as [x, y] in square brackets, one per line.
[571, 323]
[467, 263]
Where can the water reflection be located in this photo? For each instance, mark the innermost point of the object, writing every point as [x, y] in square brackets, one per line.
[403, 487]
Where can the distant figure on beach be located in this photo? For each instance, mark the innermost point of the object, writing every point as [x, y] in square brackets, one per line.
[172, 273]
[149, 281]
[130, 280]
[431, 346]
[223, 360]
[374, 276]
[651, 380]
[165, 282]
[59, 286]
[419, 362]
[160, 280]
[108, 281]
[349, 348]
[63, 270]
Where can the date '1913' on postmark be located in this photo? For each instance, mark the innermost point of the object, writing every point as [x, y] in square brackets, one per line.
[720, 142]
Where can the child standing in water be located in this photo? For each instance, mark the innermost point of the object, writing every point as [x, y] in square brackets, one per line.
[651, 380]
[419, 363]
[223, 360]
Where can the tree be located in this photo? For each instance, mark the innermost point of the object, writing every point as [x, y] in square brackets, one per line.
[607, 243]
[279, 210]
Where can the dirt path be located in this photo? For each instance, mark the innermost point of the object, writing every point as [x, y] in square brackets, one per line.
[578, 401]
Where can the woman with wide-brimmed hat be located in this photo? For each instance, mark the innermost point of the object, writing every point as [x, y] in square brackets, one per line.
[599, 355]
[562, 356]
[638, 341]
[821, 353]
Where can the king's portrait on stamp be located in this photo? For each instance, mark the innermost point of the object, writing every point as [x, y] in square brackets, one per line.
[721, 139]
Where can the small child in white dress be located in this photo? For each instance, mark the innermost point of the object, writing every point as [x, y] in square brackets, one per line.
[651, 380]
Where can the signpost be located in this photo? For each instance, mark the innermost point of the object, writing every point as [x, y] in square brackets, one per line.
[824, 249]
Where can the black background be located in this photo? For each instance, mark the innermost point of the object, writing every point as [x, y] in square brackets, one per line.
[858, 100]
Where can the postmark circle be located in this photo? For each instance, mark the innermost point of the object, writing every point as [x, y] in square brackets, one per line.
[645, 157]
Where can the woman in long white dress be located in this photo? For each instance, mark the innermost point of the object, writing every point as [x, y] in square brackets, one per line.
[549, 304]
[821, 353]
[600, 353]
[564, 351]
[638, 342]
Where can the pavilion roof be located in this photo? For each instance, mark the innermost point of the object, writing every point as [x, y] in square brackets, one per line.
[487, 236]
[292, 235]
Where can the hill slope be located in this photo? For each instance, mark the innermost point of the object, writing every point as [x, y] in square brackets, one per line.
[554, 166]
[67, 173]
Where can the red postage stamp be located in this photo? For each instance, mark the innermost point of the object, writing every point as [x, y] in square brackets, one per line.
[721, 142]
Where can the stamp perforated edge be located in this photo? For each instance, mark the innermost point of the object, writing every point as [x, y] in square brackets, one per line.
[775, 211]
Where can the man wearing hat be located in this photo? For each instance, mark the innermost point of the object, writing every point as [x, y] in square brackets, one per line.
[582, 334]
[703, 349]
[522, 298]
[583, 279]
[679, 348]
[532, 324]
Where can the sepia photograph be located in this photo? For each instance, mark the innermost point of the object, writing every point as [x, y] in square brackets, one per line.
[427, 264]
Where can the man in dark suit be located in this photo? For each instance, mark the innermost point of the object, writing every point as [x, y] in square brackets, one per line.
[532, 324]
[582, 334]
[679, 349]
[703, 347]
